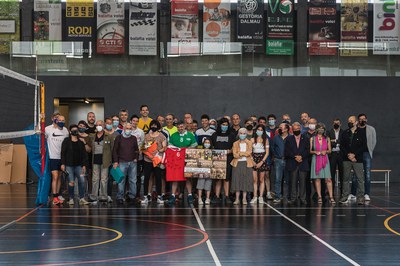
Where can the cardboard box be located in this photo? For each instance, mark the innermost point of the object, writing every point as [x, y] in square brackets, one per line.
[19, 164]
[6, 156]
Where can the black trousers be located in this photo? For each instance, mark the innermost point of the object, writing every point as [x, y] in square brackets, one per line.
[298, 177]
[148, 168]
[336, 162]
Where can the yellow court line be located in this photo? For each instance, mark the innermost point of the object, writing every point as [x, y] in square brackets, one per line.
[119, 235]
[386, 223]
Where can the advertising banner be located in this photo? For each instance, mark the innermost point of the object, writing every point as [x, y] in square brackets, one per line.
[205, 163]
[280, 27]
[47, 20]
[80, 22]
[9, 24]
[250, 25]
[216, 21]
[110, 27]
[143, 28]
[322, 27]
[386, 27]
[354, 28]
[184, 27]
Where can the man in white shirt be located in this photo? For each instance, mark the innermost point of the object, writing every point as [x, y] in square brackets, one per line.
[55, 135]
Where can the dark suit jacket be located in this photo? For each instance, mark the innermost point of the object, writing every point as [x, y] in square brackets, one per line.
[331, 135]
[291, 150]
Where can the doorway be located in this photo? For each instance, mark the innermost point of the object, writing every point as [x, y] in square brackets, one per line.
[76, 109]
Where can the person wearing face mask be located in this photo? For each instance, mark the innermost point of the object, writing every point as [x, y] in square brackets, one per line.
[271, 128]
[369, 134]
[205, 131]
[260, 154]
[248, 124]
[108, 126]
[320, 147]
[125, 156]
[213, 124]
[278, 152]
[74, 162]
[223, 139]
[55, 135]
[335, 158]
[101, 145]
[297, 150]
[311, 132]
[242, 163]
[115, 124]
[286, 119]
[204, 183]
[155, 145]
[352, 148]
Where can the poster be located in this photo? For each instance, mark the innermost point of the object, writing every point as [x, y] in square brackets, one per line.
[386, 27]
[205, 163]
[280, 27]
[110, 27]
[80, 23]
[250, 25]
[47, 20]
[354, 28]
[217, 21]
[9, 24]
[322, 27]
[184, 27]
[143, 27]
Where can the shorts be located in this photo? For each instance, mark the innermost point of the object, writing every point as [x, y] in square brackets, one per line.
[55, 164]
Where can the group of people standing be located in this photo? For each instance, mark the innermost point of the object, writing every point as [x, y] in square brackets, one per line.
[299, 159]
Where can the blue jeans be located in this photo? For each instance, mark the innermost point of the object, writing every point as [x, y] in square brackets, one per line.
[280, 175]
[130, 170]
[75, 172]
[367, 162]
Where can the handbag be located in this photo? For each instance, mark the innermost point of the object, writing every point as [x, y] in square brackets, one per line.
[117, 174]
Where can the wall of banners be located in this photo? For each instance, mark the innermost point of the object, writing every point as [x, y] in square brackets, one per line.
[216, 21]
[47, 20]
[80, 23]
[386, 27]
[143, 28]
[205, 163]
[250, 25]
[110, 27]
[322, 27]
[184, 27]
[9, 24]
[280, 27]
[354, 28]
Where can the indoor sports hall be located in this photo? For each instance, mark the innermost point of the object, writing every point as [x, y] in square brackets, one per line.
[199, 132]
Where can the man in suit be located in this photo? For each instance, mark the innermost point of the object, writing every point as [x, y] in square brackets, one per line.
[335, 158]
[297, 149]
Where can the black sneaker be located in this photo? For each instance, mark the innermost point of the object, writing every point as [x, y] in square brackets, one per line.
[120, 201]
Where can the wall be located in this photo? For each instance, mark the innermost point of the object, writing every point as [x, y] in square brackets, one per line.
[323, 97]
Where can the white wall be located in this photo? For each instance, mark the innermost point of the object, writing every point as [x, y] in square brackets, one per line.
[78, 111]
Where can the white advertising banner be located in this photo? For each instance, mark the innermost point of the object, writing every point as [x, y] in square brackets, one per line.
[47, 20]
[217, 21]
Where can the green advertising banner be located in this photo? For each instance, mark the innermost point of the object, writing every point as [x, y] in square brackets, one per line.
[9, 24]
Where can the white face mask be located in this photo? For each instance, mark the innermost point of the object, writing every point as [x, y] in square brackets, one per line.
[99, 128]
[207, 145]
[311, 126]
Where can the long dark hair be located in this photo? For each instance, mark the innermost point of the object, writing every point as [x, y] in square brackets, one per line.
[223, 120]
[264, 135]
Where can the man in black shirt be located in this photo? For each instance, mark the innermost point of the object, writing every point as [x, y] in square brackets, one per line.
[91, 120]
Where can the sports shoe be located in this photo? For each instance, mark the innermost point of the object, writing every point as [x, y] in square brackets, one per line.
[190, 198]
[109, 199]
[172, 200]
[207, 201]
[145, 201]
[160, 200]
[260, 200]
[236, 202]
[253, 200]
[344, 200]
[71, 202]
[56, 201]
[244, 202]
[149, 197]
[351, 197]
[200, 201]
[82, 201]
[61, 199]
[277, 200]
[120, 201]
[367, 198]
[360, 201]
[269, 196]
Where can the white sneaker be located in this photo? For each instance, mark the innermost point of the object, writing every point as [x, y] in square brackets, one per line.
[244, 202]
[159, 200]
[269, 196]
[367, 198]
[260, 200]
[82, 201]
[109, 199]
[207, 201]
[200, 201]
[144, 201]
[253, 200]
[351, 197]
[61, 198]
[71, 202]
[236, 202]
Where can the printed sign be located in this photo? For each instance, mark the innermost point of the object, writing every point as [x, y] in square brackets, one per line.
[205, 163]
[250, 25]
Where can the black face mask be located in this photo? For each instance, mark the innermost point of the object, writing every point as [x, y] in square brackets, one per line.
[280, 131]
[363, 123]
[249, 127]
[297, 132]
[350, 125]
[74, 133]
[336, 126]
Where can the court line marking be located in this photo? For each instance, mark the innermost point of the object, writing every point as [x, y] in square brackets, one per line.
[208, 242]
[316, 237]
[386, 223]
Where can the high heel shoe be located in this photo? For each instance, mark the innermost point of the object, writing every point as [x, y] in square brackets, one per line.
[332, 200]
[319, 200]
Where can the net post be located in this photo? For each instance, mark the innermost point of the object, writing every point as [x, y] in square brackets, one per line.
[42, 126]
